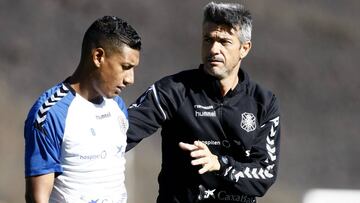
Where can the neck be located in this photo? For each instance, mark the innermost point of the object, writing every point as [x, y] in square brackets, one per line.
[81, 82]
[228, 84]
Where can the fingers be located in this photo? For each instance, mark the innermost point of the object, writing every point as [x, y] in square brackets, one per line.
[205, 169]
[198, 149]
[200, 161]
[199, 153]
[205, 162]
[202, 156]
[208, 163]
[200, 145]
[187, 147]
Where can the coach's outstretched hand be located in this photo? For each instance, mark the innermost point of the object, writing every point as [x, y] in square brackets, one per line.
[202, 156]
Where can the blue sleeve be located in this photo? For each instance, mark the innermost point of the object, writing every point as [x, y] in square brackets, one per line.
[44, 131]
[41, 154]
[122, 105]
[42, 146]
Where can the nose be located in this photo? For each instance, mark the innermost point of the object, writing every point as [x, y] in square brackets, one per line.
[129, 77]
[214, 48]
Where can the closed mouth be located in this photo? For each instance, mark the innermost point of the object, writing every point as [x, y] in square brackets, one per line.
[214, 60]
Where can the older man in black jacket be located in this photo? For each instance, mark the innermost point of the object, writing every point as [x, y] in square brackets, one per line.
[220, 130]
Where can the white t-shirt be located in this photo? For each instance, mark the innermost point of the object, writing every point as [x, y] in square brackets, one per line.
[82, 142]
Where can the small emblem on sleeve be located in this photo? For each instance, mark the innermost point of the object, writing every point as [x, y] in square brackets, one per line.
[248, 122]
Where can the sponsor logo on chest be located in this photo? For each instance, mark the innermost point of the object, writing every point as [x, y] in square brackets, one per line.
[204, 111]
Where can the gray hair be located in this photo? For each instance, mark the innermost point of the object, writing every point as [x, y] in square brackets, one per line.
[231, 14]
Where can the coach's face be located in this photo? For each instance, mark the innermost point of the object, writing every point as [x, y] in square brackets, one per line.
[221, 50]
[115, 70]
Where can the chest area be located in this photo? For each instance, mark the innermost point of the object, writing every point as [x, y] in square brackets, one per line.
[239, 112]
[231, 121]
[94, 132]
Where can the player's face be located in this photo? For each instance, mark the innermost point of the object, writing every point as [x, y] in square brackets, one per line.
[116, 71]
[221, 50]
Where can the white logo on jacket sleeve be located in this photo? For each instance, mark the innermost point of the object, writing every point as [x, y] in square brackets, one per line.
[248, 122]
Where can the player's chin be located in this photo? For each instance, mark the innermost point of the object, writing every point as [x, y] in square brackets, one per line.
[111, 95]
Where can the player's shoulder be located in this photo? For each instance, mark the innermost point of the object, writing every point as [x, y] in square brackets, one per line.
[50, 103]
[121, 104]
[119, 100]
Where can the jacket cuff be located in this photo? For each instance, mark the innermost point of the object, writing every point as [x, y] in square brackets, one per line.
[224, 162]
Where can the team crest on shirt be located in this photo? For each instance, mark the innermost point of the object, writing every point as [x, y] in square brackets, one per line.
[248, 122]
[124, 125]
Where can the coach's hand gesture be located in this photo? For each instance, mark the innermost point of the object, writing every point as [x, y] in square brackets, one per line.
[202, 156]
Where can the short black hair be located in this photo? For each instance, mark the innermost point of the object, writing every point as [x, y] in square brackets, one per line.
[110, 33]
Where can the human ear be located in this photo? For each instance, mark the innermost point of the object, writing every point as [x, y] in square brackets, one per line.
[98, 55]
[244, 49]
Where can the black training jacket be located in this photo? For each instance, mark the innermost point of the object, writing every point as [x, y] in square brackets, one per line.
[242, 128]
